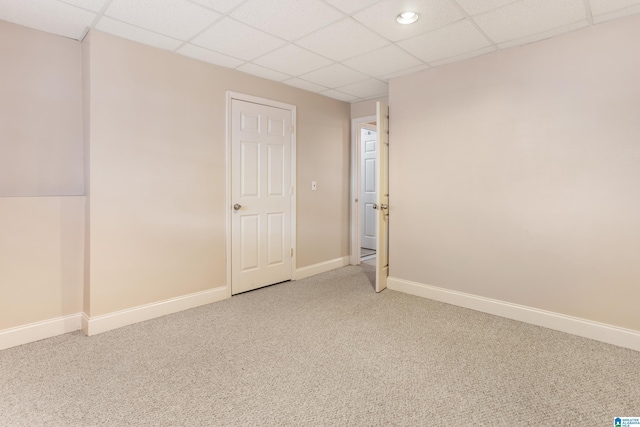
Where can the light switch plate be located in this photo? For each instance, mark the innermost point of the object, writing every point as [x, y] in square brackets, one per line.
[313, 185]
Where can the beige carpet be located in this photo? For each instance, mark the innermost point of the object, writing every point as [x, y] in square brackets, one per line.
[322, 351]
[370, 262]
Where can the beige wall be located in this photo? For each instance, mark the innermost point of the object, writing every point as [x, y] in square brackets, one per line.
[366, 108]
[154, 172]
[41, 234]
[515, 175]
[41, 254]
[40, 114]
[157, 173]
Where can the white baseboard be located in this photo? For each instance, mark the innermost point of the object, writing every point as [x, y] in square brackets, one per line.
[93, 325]
[37, 331]
[560, 322]
[322, 267]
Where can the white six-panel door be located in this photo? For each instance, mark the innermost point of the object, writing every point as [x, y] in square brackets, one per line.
[261, 192]
[368, 140]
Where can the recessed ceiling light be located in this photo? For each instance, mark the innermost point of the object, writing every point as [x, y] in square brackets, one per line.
[407, 18]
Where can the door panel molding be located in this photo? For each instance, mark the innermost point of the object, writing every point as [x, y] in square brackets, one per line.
[275, 128]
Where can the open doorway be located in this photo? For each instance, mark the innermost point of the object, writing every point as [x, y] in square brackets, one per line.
[370, 194]
[364, 218]
[364, 221]
[359, 126]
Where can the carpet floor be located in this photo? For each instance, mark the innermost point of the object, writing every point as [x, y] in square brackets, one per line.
[323, 351]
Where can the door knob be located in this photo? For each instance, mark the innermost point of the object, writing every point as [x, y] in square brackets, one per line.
[375, 206]
[383, 206]
[236, 207]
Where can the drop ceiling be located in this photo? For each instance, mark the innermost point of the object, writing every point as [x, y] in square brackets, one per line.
[344, 49]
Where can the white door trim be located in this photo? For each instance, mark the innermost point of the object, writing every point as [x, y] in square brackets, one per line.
[356, 124]
[271, 103]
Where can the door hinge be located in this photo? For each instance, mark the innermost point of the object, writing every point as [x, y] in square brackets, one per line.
[292, 252]
[292, 128]
[291, 191]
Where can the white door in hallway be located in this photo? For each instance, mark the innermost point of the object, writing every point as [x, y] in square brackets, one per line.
[382, 203]
[368, 194]
[261, 191]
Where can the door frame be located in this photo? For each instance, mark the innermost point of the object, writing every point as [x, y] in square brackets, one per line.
[356, 125]
[228, 203]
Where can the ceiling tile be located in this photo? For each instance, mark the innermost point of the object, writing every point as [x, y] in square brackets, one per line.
[334, 76]
[383, 61]
[475, 7]
[617, 14]
[223, 6]
[139, 35]
[350, 6]
[49, 16]
[381, 17]
[209, 56]
[452, 40]
[600, 7]
[293, 60]
[259, 71]
[179, 19]
[303, 38]
[289, 19]
[236, 39]
[528, 17]
[339, 95]
[367, 89]
[464, 56]
[342, 40]
[93, 5]
[303, 84]
[544, 35]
